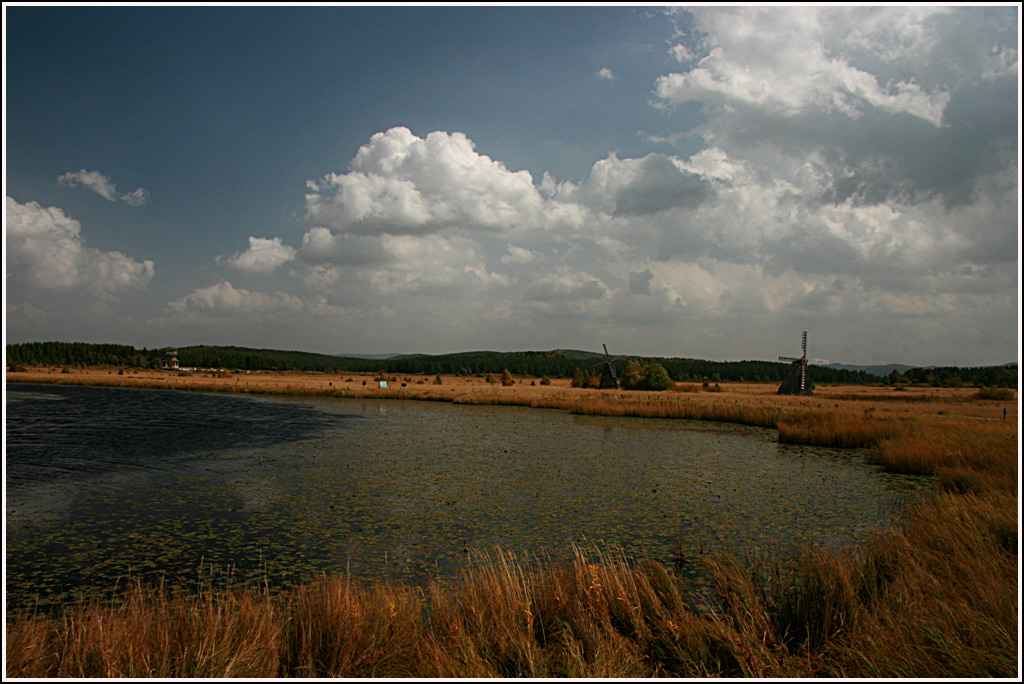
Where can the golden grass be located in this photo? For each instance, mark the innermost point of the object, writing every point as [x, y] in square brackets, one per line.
[933, 596]
[834, 428]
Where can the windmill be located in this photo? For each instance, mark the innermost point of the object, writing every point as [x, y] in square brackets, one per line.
[797, 380]
[608, 378]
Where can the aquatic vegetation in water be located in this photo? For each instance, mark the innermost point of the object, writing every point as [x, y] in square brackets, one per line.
[407, 491]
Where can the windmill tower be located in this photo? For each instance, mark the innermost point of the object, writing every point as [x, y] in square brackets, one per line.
[797, 381]
[608, 378]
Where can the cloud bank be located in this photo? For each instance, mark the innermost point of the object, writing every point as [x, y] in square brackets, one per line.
[849, 178]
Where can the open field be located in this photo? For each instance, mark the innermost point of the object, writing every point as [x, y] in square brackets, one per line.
[935, 596]
[881, 401]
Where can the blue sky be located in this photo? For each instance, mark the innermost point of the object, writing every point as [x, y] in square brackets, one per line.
[697, 182]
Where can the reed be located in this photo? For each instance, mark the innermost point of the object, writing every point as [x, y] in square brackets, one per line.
[965, 456]
[148, 632]
[337, 627]
[672, 408]
[943, 588]
[835, 428]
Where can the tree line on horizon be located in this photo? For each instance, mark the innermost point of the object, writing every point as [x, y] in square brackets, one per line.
[552, 364]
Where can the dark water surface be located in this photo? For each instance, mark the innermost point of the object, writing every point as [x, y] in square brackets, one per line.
[105, 484]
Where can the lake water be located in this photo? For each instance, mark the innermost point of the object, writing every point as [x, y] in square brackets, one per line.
[105, 484]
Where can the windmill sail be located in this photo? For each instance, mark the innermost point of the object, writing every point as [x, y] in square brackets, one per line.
[609, 380]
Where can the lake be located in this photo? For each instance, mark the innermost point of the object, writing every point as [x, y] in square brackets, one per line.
[104, 484]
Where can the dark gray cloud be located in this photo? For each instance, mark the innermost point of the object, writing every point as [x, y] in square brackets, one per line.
[660, 185]
[640, 281]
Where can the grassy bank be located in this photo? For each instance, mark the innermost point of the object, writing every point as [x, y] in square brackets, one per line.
[936, 595]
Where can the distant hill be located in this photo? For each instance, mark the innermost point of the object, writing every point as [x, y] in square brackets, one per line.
[880, 371]
[885, 369]
[577, 354]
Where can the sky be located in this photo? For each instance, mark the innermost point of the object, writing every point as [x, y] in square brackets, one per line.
[697, 182]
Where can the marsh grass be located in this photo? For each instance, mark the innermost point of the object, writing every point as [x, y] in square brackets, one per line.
[835, 428]
[965, 456]
[743, 414]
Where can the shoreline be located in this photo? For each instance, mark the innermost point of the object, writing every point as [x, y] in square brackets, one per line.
[882, 400]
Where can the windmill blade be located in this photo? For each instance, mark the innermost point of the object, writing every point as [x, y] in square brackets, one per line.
[818, 362]
[609, 379]
[790, 359]
[608, 357]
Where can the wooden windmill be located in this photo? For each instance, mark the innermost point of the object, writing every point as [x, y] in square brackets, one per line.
[797, 380]
[609, 380]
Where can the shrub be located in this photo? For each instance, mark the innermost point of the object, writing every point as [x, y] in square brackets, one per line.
[490, 379]
[996, 393]
[579, 379]
[437, 380]
[646, 376]
[545, 380]
[506, 379]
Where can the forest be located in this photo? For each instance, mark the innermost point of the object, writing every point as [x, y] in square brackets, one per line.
[553, 364]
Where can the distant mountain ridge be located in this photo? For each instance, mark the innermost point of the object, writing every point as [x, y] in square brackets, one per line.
[885, 369]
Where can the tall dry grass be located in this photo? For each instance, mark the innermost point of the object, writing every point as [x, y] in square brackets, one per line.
[149, 633]
[964, 455]
[945, 590]
[756, 415]
[836, 428]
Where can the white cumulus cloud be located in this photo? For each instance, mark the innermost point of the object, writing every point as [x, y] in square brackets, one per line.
[776, 59]
[263, 256]
[403, 184]
[45, 249]
[225, 298]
